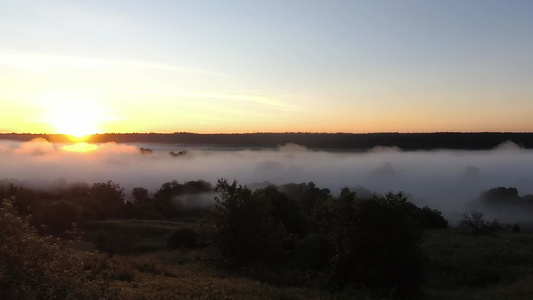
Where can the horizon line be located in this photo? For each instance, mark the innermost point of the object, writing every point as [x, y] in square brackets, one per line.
[272, 132]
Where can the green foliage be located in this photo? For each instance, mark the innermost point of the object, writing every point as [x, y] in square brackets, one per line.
[23, 199]
[285, 210]
[377, 243]
[243, 230]
[106, 199]
[459, 260]
[40, 267]
[165, 198]
[140, 195]
[58, 217]
[308, 195]
[314, 251]
[367, 243]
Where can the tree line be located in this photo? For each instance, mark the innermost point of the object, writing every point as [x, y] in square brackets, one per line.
[367, 242]
[405, 141]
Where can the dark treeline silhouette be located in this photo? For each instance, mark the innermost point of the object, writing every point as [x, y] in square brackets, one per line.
[502, 196]
[506, 203]
[369, 242]
[295, 234]
[57, 208]
[405, 141]
[363, 242]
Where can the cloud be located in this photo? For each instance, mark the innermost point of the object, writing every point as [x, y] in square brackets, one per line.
[39, 61]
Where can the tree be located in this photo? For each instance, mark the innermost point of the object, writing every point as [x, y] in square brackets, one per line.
[140, 195]
[106, 199]
[430, 218]
[377, 243]
[164, 199]
[284, 209]
[58, 216]
[474, 221]
[308, 195]
[23, 198]
[243, 230]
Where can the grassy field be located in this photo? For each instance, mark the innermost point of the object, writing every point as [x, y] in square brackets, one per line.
[152, 272]
[458, 266]
[462, 266]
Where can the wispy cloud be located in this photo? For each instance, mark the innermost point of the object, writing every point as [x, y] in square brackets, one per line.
[255, 98]
[40, 62]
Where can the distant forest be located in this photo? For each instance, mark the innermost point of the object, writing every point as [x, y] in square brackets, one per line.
[405, 141]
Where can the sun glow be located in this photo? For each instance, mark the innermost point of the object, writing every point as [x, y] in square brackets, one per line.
[80, 147]
[76, 118]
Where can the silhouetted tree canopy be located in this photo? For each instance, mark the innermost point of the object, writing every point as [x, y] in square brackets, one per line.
[106, 199]
[243, 228]
[58, 216]
[377, 243]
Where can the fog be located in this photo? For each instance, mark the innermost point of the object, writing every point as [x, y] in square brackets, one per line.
[443, 179]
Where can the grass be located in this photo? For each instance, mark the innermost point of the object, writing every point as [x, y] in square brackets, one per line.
[462, 266]
[458, 266]
[157, 276]
[162, 274]
[135, 236]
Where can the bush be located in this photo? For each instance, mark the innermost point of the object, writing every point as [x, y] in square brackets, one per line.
[430, 218]
[58, 217]
[474, 221]
[40, 267]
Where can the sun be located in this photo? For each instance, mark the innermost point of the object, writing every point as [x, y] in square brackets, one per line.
[76, 118]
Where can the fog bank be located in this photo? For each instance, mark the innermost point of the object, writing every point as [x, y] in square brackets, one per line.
[443, 179]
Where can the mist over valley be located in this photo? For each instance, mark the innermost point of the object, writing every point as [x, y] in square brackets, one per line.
[448, 180]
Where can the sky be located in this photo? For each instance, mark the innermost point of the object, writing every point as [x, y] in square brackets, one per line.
[79, 67]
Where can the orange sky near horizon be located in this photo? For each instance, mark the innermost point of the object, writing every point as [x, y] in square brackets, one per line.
[80, 68]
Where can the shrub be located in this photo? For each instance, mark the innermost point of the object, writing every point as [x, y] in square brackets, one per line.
[58, 217]
[430, 218]
[40, 267]
[474, 221]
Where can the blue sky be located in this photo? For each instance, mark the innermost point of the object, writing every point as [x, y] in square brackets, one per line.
[247, 66]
